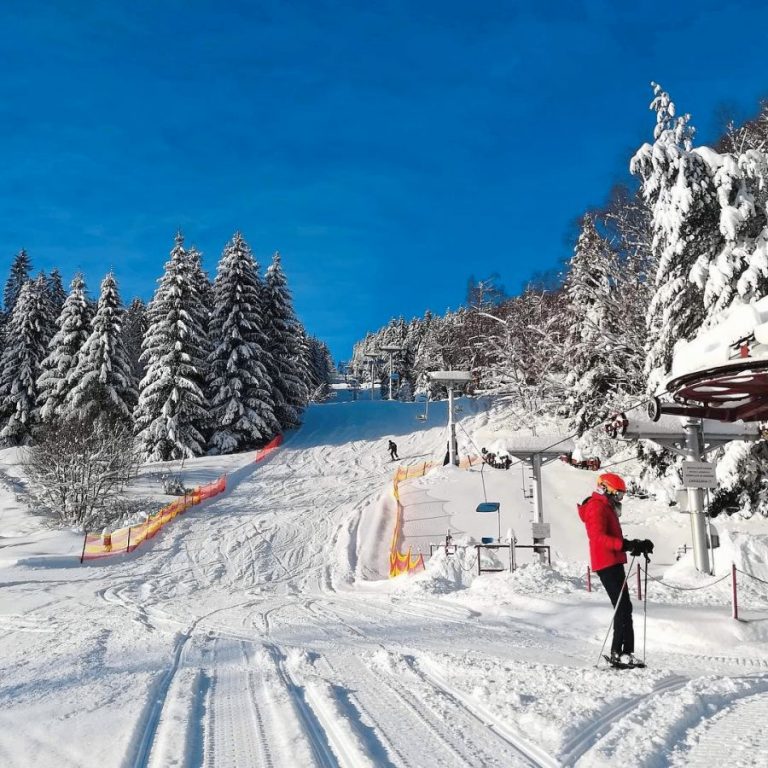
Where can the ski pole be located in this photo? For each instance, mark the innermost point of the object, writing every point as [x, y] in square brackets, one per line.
[645, 604]
[616, 607]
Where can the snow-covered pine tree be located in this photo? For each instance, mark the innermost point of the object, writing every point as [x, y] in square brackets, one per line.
[24, 351]
[594, 370]
[56, 291]
[290, 392]
[201, 281]
[739, 270]
[172, 414]
[677, 183]
[101, 386]
[626, 221]
[320, 369]
[19, 274]
[74, 328]
[242, 408]
[135, 326]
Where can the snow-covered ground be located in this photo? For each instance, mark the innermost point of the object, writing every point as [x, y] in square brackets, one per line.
[260, 628]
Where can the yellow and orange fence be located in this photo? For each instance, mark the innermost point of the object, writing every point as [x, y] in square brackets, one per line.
[96, 545]
[406, 562]
[399, 562]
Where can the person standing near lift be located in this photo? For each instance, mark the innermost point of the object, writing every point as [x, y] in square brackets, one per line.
[607, 553]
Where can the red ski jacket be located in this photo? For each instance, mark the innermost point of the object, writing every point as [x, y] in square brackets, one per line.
[603, 530]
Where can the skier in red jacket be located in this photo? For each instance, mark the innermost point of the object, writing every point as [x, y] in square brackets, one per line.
[607, 547]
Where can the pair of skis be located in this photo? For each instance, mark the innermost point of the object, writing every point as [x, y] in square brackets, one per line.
[622, 665]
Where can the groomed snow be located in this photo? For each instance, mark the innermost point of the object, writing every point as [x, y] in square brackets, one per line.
[260, 628]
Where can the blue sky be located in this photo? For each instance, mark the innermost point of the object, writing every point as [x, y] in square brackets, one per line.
[389, 150]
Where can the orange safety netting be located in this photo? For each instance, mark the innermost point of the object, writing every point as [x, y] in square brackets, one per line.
[274, 443]
[128, 539]
[400, 562]
[97, 545]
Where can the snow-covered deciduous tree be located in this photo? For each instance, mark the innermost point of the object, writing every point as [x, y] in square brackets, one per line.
[678, 185]
[242, 408]
[27, 338]
[289, 390]
[172, 414]
[78, 467]
[101, 387]
[74, 327]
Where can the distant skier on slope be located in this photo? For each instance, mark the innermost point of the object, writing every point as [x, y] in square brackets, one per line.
[607, 547]
[393, 450]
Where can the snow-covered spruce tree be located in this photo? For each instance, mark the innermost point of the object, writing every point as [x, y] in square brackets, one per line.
[56, 291]
[626, 221]
[739, 270]
[240, 390]
[27, 338]
[134, 328]
[101, 386]
[201, 281]
[19, 274]
[677, 183]
[594, 369]
[289, 390]
[172, 414]
[74, 328]
[320, 369]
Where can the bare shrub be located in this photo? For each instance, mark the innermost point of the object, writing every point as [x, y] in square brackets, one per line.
[78, 468]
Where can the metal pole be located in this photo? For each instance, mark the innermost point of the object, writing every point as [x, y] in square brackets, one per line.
[371, 378]
[538, 507]
[734, 601]
[693, 442]
[390, 375]
[451, 429]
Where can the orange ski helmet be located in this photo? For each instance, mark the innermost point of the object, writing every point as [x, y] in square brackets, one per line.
[612, 483]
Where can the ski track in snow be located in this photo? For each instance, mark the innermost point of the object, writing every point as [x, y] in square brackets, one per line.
[257, 644]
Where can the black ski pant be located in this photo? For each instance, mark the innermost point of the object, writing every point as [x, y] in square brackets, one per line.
[623, 631]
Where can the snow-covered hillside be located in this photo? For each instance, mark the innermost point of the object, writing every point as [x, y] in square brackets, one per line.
[260, 628]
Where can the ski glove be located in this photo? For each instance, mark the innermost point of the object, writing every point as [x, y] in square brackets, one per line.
[637, 547]
[647, 547]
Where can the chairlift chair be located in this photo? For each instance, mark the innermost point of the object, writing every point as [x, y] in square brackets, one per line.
[722, 374]
[423, 416]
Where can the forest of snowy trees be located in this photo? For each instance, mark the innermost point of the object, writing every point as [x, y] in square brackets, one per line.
[660, 261]
[205, 366]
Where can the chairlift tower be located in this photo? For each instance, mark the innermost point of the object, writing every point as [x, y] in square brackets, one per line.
[693, 438]
[391, 349]
[535, 452]
[373, 358]
[451, 379]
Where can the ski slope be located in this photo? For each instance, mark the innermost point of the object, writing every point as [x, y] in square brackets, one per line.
[260, 628]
